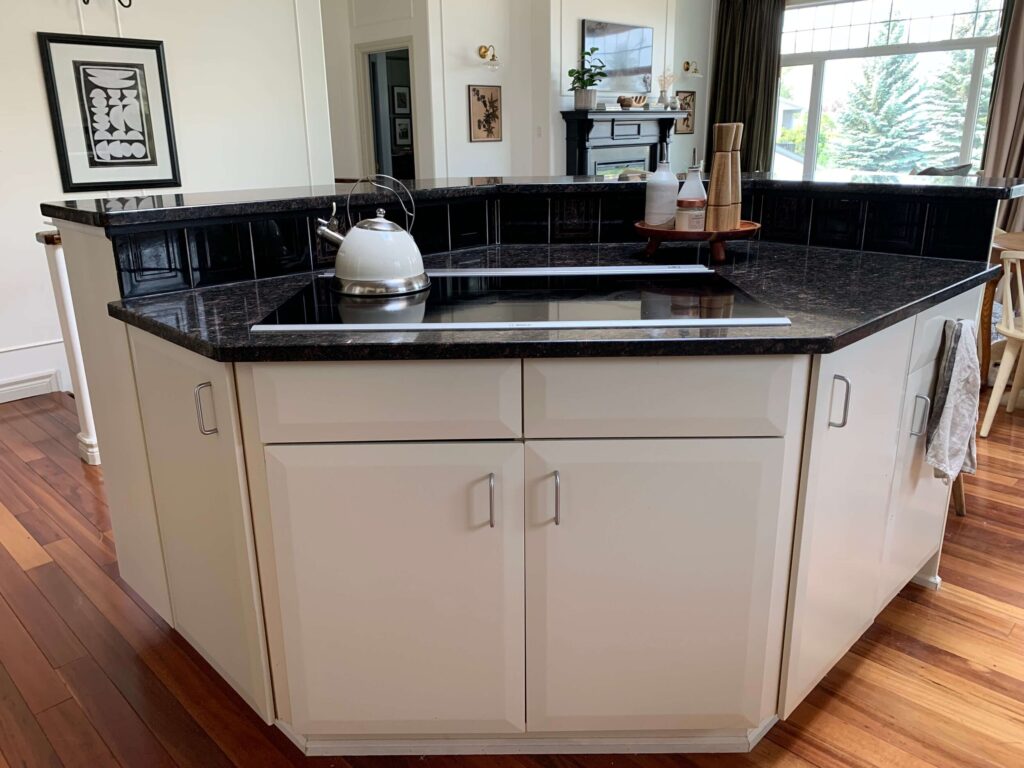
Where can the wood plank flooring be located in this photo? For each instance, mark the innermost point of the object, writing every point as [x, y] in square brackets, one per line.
[89, 676]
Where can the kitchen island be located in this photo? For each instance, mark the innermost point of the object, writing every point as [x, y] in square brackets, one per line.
[618, 539]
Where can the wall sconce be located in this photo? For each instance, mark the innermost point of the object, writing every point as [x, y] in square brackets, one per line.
[489, 62]
[690, 69]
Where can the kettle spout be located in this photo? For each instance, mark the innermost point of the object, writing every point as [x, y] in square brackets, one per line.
[325, 232]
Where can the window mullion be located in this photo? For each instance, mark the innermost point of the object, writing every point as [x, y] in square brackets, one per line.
[813, 119]
[973, 102]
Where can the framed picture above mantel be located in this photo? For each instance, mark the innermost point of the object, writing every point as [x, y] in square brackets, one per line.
[111, 112]
[687, 103]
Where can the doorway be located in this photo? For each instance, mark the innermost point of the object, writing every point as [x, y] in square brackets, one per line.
[390, 90]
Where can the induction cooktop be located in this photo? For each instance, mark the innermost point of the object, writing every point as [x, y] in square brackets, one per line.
[548, 298]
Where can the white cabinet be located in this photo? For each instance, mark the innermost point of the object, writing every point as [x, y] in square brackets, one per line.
[648, 582]
[849, 459]
[401, 604]
[199, 486]
[917, 509]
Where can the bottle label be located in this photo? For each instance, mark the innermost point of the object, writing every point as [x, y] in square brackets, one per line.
[690, 219]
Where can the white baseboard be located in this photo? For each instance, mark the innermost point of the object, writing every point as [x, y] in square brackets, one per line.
[736, 741]
[33, 369]
[28, 386]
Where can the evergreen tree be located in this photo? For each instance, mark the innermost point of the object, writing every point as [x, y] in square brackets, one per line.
[946, 99]
[881, 125]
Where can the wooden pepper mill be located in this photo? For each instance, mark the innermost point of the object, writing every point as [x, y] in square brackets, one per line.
[724, 192]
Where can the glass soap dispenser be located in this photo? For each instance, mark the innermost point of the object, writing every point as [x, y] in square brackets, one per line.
[660, 198]
[692, 202]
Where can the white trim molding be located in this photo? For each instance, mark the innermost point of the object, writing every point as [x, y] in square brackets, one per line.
[29, 385]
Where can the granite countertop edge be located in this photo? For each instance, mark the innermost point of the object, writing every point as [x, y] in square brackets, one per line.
[492, 345]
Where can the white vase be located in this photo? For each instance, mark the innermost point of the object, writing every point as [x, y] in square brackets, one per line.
[586, 98]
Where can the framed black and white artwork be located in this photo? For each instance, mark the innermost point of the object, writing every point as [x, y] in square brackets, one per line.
[400, 100]
[111, 112]
[402, 131]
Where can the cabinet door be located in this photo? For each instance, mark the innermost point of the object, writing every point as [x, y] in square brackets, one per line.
[917, 510]
[402, 607]
[199, 485]
[849, 460]
[647, 603]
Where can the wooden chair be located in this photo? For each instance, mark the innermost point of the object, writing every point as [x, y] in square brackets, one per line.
[1012, 327]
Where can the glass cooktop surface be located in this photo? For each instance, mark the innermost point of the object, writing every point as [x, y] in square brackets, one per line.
[498, 299]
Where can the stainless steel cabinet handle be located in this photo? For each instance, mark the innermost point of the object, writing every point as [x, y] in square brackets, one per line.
[846, 402]
[927, 415]
[490, 481]
[199, 408]
[558, 497]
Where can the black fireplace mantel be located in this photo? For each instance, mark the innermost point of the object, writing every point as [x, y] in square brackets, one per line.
[596, 137]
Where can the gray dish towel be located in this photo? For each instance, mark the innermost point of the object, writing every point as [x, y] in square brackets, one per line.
[954, 417]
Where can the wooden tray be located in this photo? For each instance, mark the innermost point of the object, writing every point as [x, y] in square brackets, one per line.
[656, 236]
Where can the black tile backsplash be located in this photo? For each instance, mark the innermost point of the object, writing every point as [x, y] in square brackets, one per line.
[152, 262]
[574, 219]
[786, 219]
[220, 254]
[158, 261]
[467, 220]
[525, 219]
[281, 246]
[837, 223]
[895, 226]
[619, 214]
[959, 229]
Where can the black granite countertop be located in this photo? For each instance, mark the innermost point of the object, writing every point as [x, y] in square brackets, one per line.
[833, 298]
[178, 207]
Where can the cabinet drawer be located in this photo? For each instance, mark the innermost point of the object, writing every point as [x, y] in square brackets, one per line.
[677, 397]
[405, 400]
[928, 326]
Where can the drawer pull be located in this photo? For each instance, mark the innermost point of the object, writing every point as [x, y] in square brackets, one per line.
[927, 414]
[558, 497]
[490, 482]
[200, 418]
[846, 403]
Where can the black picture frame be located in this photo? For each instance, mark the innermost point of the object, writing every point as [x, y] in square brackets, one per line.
[46, 39]
[394, 131]
[401, 90]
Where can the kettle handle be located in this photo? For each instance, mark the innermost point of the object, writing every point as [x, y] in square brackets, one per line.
[410, 216]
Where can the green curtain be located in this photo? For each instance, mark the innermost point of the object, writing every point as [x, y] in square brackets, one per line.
[745, 76]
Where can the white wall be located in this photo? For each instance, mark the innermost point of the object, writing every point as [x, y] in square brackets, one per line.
[248, 95]
[353, 28]
[694, 27]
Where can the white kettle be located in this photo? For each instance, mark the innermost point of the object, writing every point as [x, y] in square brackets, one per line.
[376, 257]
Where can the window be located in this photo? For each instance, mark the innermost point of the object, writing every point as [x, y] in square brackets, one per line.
[885, 85]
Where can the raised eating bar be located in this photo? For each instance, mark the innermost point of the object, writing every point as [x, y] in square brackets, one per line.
[570, 499]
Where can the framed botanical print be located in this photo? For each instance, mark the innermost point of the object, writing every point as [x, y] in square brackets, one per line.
[485, 113]
[111, 112]
[402, 131]
[687, 103]
[401, 103]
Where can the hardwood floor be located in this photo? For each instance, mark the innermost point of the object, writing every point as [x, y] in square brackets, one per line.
[89, 676]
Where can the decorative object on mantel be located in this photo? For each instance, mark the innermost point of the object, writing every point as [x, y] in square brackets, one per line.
[111, 112]
[489, 62]
[485, 113]
[632, 102]
[687, 102]
[665, 81]
[585, 79]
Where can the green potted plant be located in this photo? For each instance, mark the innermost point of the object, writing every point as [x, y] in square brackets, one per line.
[585, 78]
